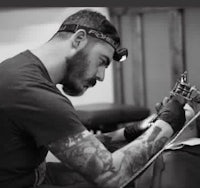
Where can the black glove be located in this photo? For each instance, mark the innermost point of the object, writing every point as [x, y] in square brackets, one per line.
[173, 113]
[131, 132]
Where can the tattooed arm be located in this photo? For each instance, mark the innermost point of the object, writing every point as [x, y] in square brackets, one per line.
[89, 157]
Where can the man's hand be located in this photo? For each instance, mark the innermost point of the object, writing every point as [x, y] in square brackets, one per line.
[173, 113]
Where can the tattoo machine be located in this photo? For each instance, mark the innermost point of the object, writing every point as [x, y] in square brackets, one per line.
[184, 89]
[188, 92]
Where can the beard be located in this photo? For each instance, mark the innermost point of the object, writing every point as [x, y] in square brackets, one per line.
[75, 82]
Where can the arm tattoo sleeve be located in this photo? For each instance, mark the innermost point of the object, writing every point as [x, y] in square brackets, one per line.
[85, 154]
[88, 156]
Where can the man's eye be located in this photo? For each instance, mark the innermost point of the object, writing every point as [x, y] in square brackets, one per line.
[103, 63]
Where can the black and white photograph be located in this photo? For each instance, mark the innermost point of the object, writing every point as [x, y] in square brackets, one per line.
[99, 96]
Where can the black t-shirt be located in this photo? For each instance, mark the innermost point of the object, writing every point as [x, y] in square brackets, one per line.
[33, 113]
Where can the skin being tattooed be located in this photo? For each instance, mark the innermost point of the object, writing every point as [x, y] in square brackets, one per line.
[85, 154]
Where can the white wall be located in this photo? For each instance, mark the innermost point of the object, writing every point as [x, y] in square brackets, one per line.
[27, 28]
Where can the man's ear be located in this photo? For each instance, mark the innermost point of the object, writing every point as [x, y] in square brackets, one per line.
[79, 39]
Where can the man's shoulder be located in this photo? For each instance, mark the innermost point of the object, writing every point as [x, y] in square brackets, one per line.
[15, 57]
[13, 65]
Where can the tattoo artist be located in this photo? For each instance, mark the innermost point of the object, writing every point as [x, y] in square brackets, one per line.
[36, 118]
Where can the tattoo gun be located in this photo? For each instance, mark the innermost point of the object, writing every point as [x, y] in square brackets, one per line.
[183, 89]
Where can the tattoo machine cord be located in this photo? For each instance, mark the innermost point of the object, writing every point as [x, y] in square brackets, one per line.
[190, 94]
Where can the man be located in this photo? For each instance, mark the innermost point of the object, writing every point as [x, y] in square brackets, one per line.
[36, 118]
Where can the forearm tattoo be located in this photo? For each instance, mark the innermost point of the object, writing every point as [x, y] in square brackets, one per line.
[144, 149]
[86, 155]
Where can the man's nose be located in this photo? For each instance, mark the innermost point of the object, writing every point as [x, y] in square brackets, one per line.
[100, 73]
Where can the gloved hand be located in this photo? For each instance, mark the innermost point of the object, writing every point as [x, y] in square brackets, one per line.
[173, 113]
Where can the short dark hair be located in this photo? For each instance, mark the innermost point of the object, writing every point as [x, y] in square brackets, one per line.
[95, 20]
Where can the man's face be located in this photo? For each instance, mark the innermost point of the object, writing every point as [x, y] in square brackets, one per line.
[86, 67]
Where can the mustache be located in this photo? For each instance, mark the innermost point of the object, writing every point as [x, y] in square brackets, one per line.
[92, 82]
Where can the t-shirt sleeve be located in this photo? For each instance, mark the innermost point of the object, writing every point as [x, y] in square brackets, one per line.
[46, 115]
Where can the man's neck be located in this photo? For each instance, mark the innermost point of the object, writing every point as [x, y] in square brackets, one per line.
[53, 60]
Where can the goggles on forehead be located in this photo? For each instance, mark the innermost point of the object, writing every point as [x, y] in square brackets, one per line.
[120, 54]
